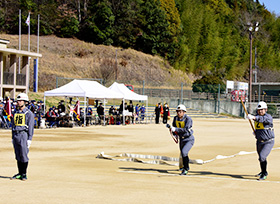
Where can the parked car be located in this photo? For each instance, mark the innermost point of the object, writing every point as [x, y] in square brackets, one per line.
[130, 87]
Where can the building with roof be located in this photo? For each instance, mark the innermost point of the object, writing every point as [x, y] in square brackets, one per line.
[266, 91]
[14, 76]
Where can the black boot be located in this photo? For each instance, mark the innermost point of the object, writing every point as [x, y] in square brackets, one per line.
[263, 174]
[263, 167]
[186, 162]
[186, 166]
[24, 169]
[19, 165]
[19, 174]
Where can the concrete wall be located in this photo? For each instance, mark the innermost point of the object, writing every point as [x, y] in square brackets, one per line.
[211, 106]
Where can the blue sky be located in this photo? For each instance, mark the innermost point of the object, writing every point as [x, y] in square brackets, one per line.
[272, 5]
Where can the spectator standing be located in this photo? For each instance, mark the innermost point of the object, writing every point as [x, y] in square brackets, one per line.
[117, 116]
[2, 113]
[40, 111]
[111, 110]
[166, 113]
[121, 108]
[100, 112]
[157, 112]
[131, 110]
[34, 108]
[88, 115]
[137, 110]
[142, 111]
[82, 117]
[112, 117]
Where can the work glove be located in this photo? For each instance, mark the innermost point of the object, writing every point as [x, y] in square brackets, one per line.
[28, 143]
[250, 117]
[173, 129]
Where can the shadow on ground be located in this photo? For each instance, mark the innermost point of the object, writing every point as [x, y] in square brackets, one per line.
[191, 173]
[5, 177]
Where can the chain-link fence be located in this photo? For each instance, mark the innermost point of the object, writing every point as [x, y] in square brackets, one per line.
[196, 96]
[185, 91]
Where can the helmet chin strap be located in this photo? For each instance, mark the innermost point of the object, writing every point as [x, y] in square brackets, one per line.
[19, 107]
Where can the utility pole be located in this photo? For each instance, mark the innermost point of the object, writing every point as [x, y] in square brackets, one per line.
[255, 72]
[116, 64]
[252, 29]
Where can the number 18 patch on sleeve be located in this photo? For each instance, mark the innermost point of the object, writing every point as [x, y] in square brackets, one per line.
[19, 119]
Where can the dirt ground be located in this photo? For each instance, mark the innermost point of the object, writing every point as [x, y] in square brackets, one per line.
[63, 167]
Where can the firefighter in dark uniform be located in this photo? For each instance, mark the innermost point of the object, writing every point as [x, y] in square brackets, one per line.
[264, 134]
[22, 133]
[182, 126]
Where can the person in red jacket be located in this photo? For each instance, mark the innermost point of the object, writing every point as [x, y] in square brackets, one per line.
[51, 116]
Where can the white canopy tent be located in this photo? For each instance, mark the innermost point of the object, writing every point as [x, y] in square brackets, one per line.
[86, 89]
[128, 94]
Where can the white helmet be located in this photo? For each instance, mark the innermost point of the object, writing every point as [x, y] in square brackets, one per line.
[22, 97]
[262, 105]
[181, 107]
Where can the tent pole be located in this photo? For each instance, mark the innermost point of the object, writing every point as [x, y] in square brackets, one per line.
[146, 113]
[85, 102]
[104, 112]
[65, 103]
[123, 111]
[44, 105]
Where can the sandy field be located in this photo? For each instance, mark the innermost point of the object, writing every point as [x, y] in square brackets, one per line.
[63, 167]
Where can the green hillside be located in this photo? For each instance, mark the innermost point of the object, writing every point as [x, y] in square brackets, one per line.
[198, 37]
[73, 58]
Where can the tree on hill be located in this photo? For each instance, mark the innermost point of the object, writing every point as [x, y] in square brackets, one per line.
[212, 82]
[155, 36]
[98, 27]
[126, 25]
[193, 35]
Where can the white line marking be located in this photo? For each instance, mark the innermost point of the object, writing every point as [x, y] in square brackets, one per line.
[196, 176]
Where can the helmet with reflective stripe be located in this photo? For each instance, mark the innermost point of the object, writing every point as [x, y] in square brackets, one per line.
[262, 105]
[22, 97]
[181, 107]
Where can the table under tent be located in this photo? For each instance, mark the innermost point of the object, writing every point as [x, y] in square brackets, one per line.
[85, 89]
[128, 94]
